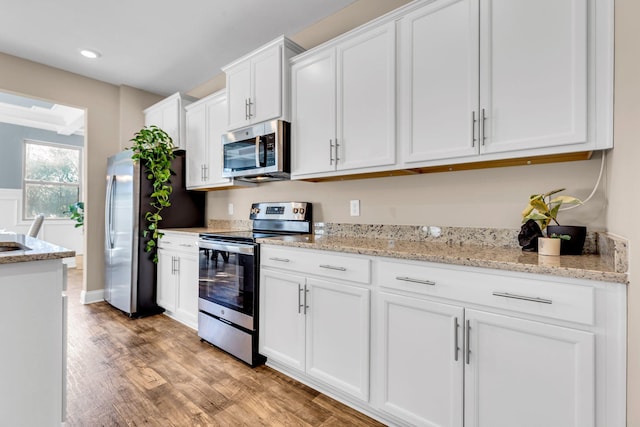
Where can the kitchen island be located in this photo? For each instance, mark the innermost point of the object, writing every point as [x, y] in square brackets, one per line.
[32, 331]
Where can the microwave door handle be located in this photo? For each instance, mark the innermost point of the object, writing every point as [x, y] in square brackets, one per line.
[257, 151]
[260, 162]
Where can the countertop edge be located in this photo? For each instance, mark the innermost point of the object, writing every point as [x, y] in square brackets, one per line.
[559, 271]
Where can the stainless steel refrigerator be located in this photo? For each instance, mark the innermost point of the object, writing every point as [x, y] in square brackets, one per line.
[130, 274]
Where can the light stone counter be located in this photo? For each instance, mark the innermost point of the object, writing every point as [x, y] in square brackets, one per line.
[31, 249]
[590, 266]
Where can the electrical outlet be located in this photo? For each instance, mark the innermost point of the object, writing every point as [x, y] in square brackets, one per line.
[230, 208]
[355, 207]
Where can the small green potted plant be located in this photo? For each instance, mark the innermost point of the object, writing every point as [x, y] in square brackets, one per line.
[76, 213]
[154, 149]
[544, 209]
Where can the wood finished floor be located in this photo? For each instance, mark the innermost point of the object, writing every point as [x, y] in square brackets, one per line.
[155, 372]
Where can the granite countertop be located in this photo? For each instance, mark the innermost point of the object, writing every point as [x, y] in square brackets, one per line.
[590, 266]
[31, 249]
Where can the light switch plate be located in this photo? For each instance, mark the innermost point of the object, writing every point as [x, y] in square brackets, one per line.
[355, 207]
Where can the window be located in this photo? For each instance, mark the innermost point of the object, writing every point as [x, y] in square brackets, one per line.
[51, 179]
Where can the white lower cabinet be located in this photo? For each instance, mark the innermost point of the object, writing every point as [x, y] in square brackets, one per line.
[451, 346]
[177, 287]
[529, 374]
[319, 328]
[420, 349]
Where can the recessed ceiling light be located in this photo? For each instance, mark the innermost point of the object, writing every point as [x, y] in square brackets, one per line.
[91, 54]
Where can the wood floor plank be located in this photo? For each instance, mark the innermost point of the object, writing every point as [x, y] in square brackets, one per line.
[155, 371]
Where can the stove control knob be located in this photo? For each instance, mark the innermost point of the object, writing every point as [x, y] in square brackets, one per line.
[301, 210]
[295, 210]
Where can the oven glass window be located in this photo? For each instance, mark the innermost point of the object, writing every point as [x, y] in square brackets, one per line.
[227, 279]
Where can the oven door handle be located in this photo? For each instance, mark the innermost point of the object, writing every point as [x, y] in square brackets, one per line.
[236, 248]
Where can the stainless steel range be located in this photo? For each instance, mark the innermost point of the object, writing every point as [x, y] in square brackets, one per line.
[229, 262]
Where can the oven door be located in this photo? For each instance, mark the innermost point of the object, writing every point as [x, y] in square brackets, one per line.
[227, 280]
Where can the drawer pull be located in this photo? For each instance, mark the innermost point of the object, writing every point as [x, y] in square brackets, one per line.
[279, 259]
[185, 245]
[522, 297]
[412, 280]
[331, 267]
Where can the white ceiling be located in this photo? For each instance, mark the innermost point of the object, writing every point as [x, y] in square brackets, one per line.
[161, 46]
[34, 113]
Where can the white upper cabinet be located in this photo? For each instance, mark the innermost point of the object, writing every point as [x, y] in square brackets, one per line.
[313, 102]
[258, 84]
[169, 115]
[206, 122]
[533, 73]
[494, 79]
[343, 99]
[439, 81]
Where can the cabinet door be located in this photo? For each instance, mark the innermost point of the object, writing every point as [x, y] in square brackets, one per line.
[313, 126]
[439, 81]
[338, 336]
[187, 304]
[166, 289]
[171, 112]
[366, 99]
[282, 319]
[196, 146]
[266, 84]
[238, 94]
[216, 126]
[153, 118]
[421, 359]
[527, 374]
[533, 72]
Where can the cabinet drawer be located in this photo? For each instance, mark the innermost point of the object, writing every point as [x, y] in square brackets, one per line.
[321, 263]
[178, 241]
[552, 299]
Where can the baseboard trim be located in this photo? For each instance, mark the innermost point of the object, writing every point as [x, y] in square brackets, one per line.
[90, 297]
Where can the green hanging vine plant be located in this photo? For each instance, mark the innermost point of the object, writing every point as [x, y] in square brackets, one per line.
[153, 148]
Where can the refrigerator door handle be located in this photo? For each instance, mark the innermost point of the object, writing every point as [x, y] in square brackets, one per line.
[109, 228]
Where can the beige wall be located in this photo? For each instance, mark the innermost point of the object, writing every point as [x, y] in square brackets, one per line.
[479, 198]
[623, 177]
[103, 103]
[132, 103]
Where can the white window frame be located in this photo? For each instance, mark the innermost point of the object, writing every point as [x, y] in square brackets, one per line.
[28, 181]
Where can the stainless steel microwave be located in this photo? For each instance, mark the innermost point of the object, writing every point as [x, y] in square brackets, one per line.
[257, 153]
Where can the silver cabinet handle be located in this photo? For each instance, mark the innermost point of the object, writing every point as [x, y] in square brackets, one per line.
[412, 280]
[306, 305]
[246, 109]
[300, 305]
[473, 128]
[186, 245]
[467, 342]
[249, 105]
[456, 348]
[206, 172]
[332, 267]
[330, 151]
[484, 124]
[279, 259]
[337, 145]
[173, 265]
[523, 297]
[177, 265]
